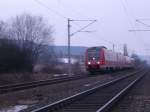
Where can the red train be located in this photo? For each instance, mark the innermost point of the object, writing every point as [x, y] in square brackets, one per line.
[100, 58]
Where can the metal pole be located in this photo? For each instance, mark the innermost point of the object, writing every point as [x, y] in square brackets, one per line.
[69, 60]
[113, 47]
[69, 39]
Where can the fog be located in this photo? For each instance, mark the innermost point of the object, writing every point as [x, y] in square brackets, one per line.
[114, 20]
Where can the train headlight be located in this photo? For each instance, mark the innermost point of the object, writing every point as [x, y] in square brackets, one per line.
[98, 62]
[89, 63]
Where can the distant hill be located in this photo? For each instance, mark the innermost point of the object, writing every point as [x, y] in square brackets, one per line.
[75, 50]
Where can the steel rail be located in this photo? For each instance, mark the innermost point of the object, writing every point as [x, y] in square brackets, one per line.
[61, 103]
[22, 86]
[118, 96]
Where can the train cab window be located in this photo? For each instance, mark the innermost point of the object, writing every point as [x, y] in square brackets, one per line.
[93, 55]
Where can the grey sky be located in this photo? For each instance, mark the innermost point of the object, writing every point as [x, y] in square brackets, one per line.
[115, 18]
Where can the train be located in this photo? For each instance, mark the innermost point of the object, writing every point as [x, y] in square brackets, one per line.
[101, 59]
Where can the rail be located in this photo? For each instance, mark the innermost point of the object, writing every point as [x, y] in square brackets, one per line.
[64, 102]
[22, 86]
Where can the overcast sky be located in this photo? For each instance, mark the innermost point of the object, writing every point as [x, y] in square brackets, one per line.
[114, 19]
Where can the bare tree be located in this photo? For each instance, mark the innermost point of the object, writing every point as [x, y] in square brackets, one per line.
[3, 30]
[32, 33]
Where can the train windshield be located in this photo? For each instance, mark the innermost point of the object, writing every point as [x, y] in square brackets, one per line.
[93, 55]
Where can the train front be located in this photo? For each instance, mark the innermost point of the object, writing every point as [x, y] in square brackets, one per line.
[92, 59]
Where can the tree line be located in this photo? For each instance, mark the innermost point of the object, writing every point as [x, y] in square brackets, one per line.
[23, 39]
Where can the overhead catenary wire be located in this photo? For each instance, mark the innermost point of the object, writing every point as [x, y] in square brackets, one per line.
[50, 9]
[126, 13]
[69, 30]
[139, 21]
[126, 7]
[145, 19]
[81, 30]
[138, 30]
[113, 43]
[64, 6]
[62, 16]
[70, 8]
[75, 11]
[59, 14]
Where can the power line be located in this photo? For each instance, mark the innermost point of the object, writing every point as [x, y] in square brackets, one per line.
[130, 22]
[139, 21]
[50, 9]
[81, 30]
[126, 12]
[69, 30]
[70, 8]
[69, 38]
[108, 41]
[133, 17]
[57, 13]
[144, 19]
[64, 5]
[138, 30]
[60, 2]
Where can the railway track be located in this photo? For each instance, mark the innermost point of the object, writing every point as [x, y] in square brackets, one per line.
[98, 99]
[21, 86]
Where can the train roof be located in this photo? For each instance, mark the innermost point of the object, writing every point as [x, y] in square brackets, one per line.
[97, 47]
